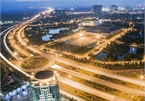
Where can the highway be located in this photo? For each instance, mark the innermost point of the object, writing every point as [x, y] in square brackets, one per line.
[98, 71]
[81, 66]
[15, 67]
[5, 44]
[84, 66]
[90, 90]
[100, 81]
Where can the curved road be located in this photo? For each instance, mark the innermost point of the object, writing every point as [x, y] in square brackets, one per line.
[78, 65]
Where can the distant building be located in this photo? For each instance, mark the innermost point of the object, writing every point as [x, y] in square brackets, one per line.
[113, 8]
[127, 9]
[58, 13]
[89, 21]
[97, 9]
[63, 13]
[41, 15]
[46, 87]
[116, 8]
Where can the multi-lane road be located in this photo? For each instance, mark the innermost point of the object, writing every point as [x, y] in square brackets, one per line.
[77, 65]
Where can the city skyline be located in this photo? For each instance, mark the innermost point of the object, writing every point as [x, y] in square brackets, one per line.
[19, 4]
[87, 51]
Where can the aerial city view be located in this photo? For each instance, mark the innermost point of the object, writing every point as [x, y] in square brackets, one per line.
[72, 50]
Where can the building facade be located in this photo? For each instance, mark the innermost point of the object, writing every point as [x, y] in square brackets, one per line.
[97, 9]
[46, 88]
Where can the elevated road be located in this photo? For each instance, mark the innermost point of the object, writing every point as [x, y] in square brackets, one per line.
[90, 90]
[77, 65]
[100, 81]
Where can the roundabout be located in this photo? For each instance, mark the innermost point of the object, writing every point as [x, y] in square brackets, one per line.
[33, 64]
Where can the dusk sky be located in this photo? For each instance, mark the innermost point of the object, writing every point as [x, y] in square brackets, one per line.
[19, 4]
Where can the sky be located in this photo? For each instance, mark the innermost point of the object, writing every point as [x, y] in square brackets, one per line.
[19, 4]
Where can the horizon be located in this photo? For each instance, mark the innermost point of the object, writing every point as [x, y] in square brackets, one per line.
[8, 5]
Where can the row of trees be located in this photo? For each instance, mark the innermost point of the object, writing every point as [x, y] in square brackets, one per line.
[113, 66]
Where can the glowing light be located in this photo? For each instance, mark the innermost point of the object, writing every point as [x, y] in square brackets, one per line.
[40, 84]
[54, 79]
[57, 74]
[80, 34]
[141, 77]
[15, 53]
[55, 66]
[31, 55]
[98, 36]
[32, 73]
[21, 58]
[69, 76]
[32, 77]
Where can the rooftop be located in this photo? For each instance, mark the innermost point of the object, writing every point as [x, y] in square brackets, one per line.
[44, 74]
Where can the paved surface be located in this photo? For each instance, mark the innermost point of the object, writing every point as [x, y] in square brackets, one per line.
[91, 90]
[99, 71]
[81, 66]
[102, 82]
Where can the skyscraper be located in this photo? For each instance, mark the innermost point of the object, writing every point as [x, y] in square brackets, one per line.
[97, 9]
[112, 8]
[46, 87]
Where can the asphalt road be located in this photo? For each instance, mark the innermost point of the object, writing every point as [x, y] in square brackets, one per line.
[102, 82]
[91, 90]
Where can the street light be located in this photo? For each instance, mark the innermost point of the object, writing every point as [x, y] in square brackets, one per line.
[32, 73]
[55, 72]
[54, 79]
[141, 77]
[98, 36]
[21, 58]
[31, 55]
[32, 77]
[80, 34]
[15, 53]
[69, 76]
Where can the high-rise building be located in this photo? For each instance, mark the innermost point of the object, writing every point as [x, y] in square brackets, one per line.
[63, 13]
[41, 15]
[97, 9]
[127, 9]
[45, 88]
[113, 8]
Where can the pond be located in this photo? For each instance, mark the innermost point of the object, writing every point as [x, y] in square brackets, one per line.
[101, 55]
[56, 31]
[132, 50]
[46, 37]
